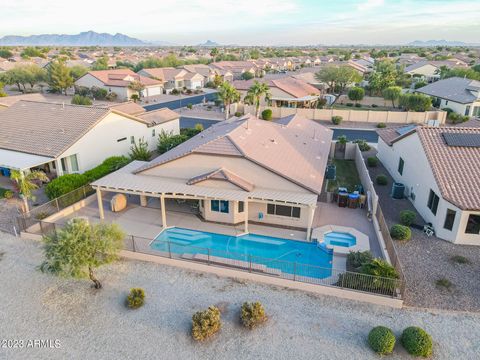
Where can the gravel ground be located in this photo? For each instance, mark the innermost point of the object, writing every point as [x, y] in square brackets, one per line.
[96, 325]
[428, 259]
[8, 213]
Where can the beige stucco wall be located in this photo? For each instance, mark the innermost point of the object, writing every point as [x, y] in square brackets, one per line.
[123, 93]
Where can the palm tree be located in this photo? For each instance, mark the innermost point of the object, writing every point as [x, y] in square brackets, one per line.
[442, 71]
[229, 95]
[26, 184]
[256, 91]
[214, 53]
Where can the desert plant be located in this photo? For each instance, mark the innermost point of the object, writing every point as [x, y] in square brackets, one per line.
[372, 161]
[379, 267]
[459, 259]
[206, 323]
[381, 340]
[136, 298]
[139, 151]
[407, 217]
[27, 183]
[417, 341]
[444, 283]
[362, 144]
[381, 125]
[81, 100]
[400, 232]
[381, 179]
[267, 114]
[190, 106]
[336, 120]
[252, 314]
[8, 194]
[355, 260]
[238, 114]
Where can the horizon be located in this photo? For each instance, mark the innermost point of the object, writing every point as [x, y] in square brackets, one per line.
[268, 22]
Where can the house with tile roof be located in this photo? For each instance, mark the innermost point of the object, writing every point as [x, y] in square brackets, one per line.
[462, 95]
[118, 81]
[60, 138]
[440, 169]
[238, 171]
[173, 78]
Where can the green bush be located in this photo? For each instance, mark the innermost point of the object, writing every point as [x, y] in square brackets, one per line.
[98, 93]
[81, 100]
[336, 120]
[381, 179]
[355, 259]
[381, 340]
[252, 314]
[238, 114]
[206, 323]
[349, 104]
[379, 267]
[417, 341]
[374, 105]
[108, 165]
[372, 161]
[407, 217]
[381, 125]
[362, 144]
[189, 105]
[400, 232]
[267, 114]
[8, 194]
[64, 184]
[167, 141]
[136, 298]
[358, 105]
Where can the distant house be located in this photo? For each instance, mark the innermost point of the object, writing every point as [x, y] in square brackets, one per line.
[173, 78]
[440, 170]
[118, 81]
[430, 70]
[61, 139]
[236, 68]
[286, 91]
[459, 94]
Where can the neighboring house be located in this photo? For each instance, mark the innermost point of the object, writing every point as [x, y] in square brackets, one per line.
[430, 70]
[238, 171]
[285, 92]
[173, 78]
[440, 170]
[118, 81]
[236, 68]
[201, 69]
[60, 138]
[459, 94]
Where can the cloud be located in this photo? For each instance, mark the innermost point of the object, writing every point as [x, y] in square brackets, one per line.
[370, 4]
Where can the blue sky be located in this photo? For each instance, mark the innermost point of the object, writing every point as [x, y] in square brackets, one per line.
[251, 22]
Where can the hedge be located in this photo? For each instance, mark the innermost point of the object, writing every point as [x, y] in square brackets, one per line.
[267, 114]
[417, 341]
[400, 232]
[381, 340]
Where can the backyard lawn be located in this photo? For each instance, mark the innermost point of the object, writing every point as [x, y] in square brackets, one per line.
[347, 176]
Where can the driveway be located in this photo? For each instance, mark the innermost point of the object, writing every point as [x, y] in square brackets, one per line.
[181, 101]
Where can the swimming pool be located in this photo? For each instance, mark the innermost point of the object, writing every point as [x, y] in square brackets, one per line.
[286, 256]
[336, 238]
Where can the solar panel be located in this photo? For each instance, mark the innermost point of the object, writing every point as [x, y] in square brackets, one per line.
[405, 129]
[462, 139]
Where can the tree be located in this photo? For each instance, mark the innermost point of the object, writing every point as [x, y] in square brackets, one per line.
[26, 184]
[385, 74]
[5, 53]
[214, 53]
[217, 80]
[58, 76]
[338, 77]
[255, 93]
[392, 93]
[136, 86]
[34, 75]
[18, 75]
[415, 102]
[356, 94]
[139, 151]
[228, 95]
[101, 63]
[247, 75]
[77, 71]
[79, 248]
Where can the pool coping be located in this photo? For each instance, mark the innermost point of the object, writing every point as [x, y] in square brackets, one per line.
[362, 240]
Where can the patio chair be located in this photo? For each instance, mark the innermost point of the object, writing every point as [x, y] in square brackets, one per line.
[428, 230]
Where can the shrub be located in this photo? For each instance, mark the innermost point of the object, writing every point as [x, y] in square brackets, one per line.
[379, 267]
[459, 259]
[381, 179]
[400, 232]
[381, 340]
[108, 165]
[355, 259]
[336, 120]
[98, 93]
[247, 75]
[206, 323]
[140, 151]
[175, 92]
[349, 104]
[374, 105]
[356, 93]
[252, 314]
[189, 105]
[136, 298]
[372, 161]
[448, 110]
[111, 96]
[444, 283]
[407, 217]
[267, 114]
[358, 105]
[415, 102]
[362, 144]
[81, 100]
[417, 341]
[381, 125]
[167, 141]
[238, 114]
[64, 184]
[8, 194]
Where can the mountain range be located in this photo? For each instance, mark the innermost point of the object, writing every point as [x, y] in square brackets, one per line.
[87, 38]
[438, 43]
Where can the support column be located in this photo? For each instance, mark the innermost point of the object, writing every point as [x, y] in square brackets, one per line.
[311, 212]
[164, 213]
[100, 204]
[143, 200]
[245, 210]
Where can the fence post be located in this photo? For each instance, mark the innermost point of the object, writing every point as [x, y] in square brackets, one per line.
[133, 244]
[250, 263]
[294, 271]
[343, 279]
[208, 256]
[56, 203]
[169, 252]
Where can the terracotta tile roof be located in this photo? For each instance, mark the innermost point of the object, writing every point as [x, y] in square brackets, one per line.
[456, 168]
[296, 87]
[44, 128]
[223, 174]
[128, 107]
[297, 150]
[159, 116]
[165, 74]
[122, 77]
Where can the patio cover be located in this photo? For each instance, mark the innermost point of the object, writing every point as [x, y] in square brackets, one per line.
[20, 161]
[124, 181]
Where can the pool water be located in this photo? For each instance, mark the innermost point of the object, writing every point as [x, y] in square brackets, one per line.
[335, 238]
[287, 256]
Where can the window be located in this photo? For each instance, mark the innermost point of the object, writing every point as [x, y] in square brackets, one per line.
[449, 219]
[153, 132]
[241, 206]
[401, 164]
[473, 225]
[467, 110]
[432, 203]
[121, 139]
[446, 102]
[282, 210]
[74, 163]
[64, 165]
[219, 206]
[132, 139]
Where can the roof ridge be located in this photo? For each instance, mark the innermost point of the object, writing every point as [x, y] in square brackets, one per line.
[100, 107]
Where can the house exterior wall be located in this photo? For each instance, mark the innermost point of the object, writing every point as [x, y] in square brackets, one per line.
[123, 93]
[101, 141]
[461, 108]
[419, 180]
